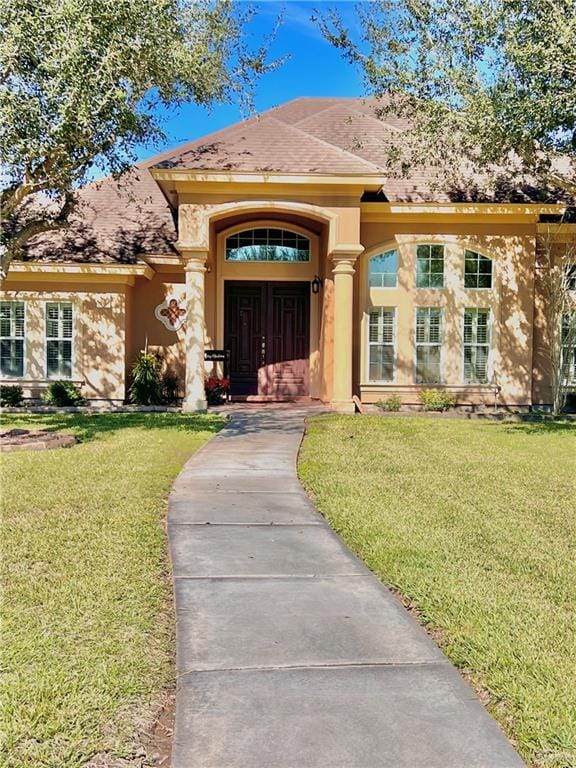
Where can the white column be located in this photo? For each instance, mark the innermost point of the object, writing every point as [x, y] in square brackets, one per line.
[195, 397]
[343, 259]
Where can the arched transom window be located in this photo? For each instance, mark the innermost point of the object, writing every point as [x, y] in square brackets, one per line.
[267, 245]
[477, 270]
[383, 269]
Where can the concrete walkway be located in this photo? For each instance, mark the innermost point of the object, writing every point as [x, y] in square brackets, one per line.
[290, 653]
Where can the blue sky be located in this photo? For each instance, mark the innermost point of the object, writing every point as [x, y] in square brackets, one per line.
[314, 68]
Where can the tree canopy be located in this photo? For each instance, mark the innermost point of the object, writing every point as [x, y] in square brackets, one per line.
[83, 83]
[488, 82]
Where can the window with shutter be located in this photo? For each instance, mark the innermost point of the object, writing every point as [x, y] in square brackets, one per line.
[381, 342]
[428, 345]
[12, 338]
[59, 324]
[476, 345]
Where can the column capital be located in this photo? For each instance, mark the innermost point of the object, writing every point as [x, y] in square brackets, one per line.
[194, 257]
[344, 257]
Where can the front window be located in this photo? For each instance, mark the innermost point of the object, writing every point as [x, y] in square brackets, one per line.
[383, 269]
[476, 345]
[267, 245]
[477, 270]
[59, 323]
[428, 345]
[430, 266]
[570, 277]
[381, 335]
[569, 348]
[12, 338]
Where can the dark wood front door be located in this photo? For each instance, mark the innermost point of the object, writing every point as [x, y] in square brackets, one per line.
[267, 330]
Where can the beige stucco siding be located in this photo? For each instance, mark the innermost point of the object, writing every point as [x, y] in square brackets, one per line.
[146, 331]
[98, 341]
[510, 300]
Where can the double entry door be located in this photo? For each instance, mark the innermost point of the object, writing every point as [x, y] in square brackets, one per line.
[267, 330]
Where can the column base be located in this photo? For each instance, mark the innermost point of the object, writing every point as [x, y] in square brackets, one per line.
[195, 406]
[343, 406]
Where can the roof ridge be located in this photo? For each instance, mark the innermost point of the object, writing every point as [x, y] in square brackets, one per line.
[356, 111]
[151, 161]
[333, 147]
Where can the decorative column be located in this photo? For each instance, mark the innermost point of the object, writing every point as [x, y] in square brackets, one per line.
[195, 267]
[343, 258]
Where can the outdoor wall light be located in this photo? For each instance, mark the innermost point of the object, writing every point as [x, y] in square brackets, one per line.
[316, 284]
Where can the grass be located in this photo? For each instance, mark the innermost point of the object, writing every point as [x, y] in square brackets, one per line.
[475, 525]
[87, 631]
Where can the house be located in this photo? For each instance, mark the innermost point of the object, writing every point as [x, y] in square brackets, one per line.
[282, 240]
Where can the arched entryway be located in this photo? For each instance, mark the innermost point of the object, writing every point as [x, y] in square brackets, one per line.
[268, 315]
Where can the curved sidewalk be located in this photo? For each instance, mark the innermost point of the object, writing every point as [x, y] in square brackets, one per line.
[290, 653]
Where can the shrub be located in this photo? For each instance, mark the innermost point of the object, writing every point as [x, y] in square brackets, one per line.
[62, 394]
[147, 385]
[393, 403]
[436, 400]
[216, 390]
[11, 395]
[170, 387]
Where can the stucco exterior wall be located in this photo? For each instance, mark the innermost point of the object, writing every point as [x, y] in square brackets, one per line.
[146, 331]
[510, 301]
[98, 342]
[558, 244]
[115, 320]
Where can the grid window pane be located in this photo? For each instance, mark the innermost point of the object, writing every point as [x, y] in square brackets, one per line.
[477, 270]
[12, 338]
[381, 344]
[476, 345]
[428, 345]
[568, 362]
[383, 270]
[430, 266]
[267, 245]
[59, 329]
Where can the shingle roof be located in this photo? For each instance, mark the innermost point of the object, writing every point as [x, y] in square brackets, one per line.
[304, 136]
[267, 143]
[127, 220]
[116, 221]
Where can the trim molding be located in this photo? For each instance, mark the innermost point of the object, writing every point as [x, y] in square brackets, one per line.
[73, 272]
[508, 213]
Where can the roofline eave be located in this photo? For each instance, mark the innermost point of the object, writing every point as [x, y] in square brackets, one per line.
[365, 181]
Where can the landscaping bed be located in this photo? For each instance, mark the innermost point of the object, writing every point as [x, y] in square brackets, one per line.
[473, 523]
[87, 624]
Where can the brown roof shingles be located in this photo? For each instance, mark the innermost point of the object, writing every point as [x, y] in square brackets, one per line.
[267, 144]
[115, 221]
[129, 220]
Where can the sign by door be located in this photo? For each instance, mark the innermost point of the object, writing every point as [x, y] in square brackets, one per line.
[216, 355]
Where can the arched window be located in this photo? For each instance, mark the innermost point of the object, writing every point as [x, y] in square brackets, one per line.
[383, 270]
[267, 245]
[477, 270]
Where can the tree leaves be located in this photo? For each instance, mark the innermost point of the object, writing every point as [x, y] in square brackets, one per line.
[80, 84]
[488, 83]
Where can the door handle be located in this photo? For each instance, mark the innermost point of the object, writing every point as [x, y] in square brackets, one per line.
[263, 350]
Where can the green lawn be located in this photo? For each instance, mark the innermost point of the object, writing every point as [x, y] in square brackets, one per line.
[87, 630]
[474, 523]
